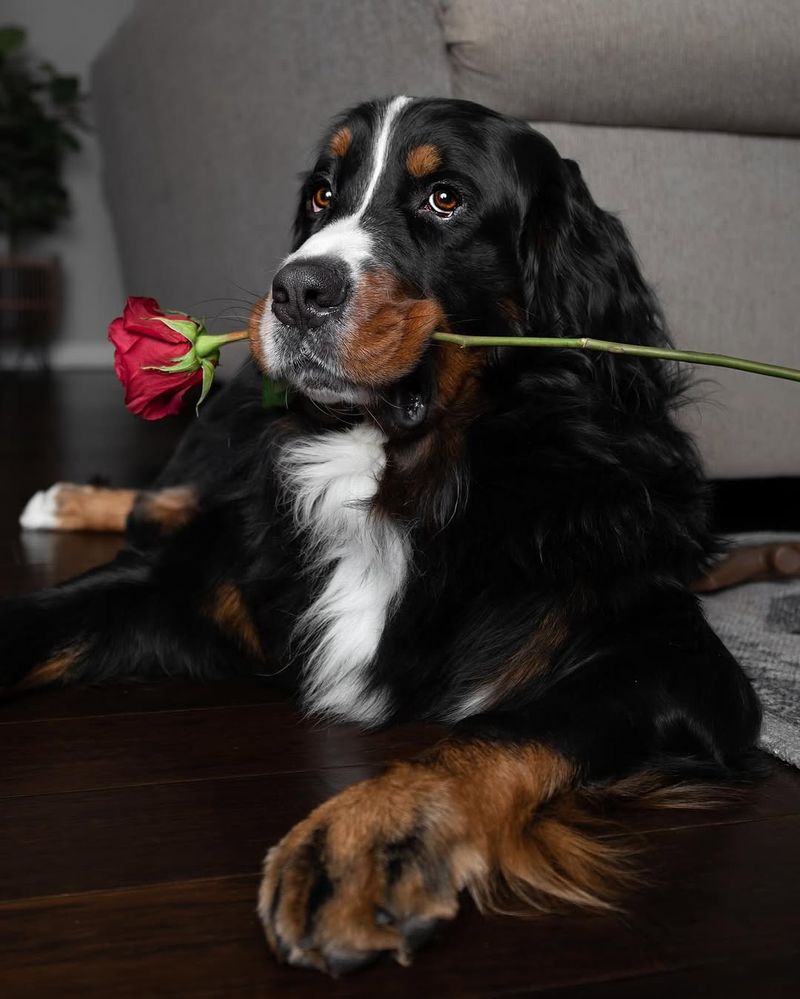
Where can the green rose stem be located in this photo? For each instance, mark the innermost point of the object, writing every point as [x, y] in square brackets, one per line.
[207, 343]
[586, 343]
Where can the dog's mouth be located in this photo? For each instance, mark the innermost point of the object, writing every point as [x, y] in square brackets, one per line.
[407, 404]
[401, 407]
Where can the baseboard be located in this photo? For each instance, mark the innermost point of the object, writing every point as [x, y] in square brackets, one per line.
[89, 356]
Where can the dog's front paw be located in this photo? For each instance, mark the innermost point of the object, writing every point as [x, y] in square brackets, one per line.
[69, 507]
[370, 872]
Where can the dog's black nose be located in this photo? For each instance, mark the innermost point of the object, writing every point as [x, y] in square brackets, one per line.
[306, 293]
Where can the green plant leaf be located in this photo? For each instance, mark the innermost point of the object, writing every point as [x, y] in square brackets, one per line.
[64, 89]
[11, 38]
[40, 120]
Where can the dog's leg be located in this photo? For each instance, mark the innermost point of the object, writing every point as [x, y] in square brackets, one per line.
[509, 805]
[69, 507]
[176, 609]
[119, 623]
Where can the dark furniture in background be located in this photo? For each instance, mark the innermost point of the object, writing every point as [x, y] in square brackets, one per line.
[30, 306]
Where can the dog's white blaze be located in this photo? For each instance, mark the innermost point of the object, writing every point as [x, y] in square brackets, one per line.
[344, 239]
[381, 149]
[332, 479]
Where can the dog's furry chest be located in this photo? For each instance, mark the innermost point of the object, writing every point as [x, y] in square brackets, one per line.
[360, 560]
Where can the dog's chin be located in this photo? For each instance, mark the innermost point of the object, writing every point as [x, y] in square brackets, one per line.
[336, 396]
[326, 387]
[315, 380]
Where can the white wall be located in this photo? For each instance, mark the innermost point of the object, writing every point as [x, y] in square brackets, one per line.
[69, 33]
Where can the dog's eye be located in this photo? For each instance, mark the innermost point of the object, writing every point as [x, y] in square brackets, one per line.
[321, 199]
[443, 201]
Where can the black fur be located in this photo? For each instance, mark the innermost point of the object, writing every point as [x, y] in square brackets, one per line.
[573, 494]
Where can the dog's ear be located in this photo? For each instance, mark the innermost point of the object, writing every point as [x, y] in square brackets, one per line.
[581, 277]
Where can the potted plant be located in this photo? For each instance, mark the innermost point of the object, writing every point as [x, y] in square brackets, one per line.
[40, 117]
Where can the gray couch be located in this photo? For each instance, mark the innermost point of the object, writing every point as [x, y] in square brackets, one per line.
[684, 115]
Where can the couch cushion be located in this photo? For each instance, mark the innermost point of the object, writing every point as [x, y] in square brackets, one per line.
[715, 220]
[727, 65]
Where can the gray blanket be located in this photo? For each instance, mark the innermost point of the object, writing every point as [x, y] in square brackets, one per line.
[760, 624]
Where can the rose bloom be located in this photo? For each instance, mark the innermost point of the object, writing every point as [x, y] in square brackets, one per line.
[141, 342]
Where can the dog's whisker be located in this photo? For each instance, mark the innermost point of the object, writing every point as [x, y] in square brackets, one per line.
[387, 402]
[254, 295]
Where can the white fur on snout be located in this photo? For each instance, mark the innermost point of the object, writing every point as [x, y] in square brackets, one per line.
[344, 240]
[361, 559]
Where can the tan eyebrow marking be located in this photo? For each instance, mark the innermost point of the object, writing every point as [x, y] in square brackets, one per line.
[423, 160]
[340, 141]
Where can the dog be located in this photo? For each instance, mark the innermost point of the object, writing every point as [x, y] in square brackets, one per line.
[500, 538]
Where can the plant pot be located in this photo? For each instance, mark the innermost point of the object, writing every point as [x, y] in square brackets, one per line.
[30, 303]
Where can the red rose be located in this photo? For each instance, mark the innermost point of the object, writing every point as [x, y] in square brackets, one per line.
[155, 357]
[159, 356]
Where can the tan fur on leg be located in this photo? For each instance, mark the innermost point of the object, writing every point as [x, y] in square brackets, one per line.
[52, 671]
[170, 508]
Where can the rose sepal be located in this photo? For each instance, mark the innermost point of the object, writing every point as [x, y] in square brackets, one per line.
[188, 327]
[208, 364]
[186, 362]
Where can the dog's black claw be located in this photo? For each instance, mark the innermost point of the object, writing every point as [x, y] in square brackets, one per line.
[417, 932]
[342, 963]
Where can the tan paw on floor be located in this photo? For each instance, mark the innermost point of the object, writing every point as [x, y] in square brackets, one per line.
[371, 872]
[68, 507]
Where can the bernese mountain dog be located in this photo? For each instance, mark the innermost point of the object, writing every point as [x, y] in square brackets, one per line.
[501, 539]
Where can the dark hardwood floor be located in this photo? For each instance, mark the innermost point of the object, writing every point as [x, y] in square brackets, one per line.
[133, 819]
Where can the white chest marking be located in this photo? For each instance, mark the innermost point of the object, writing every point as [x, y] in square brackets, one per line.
[331, 480]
